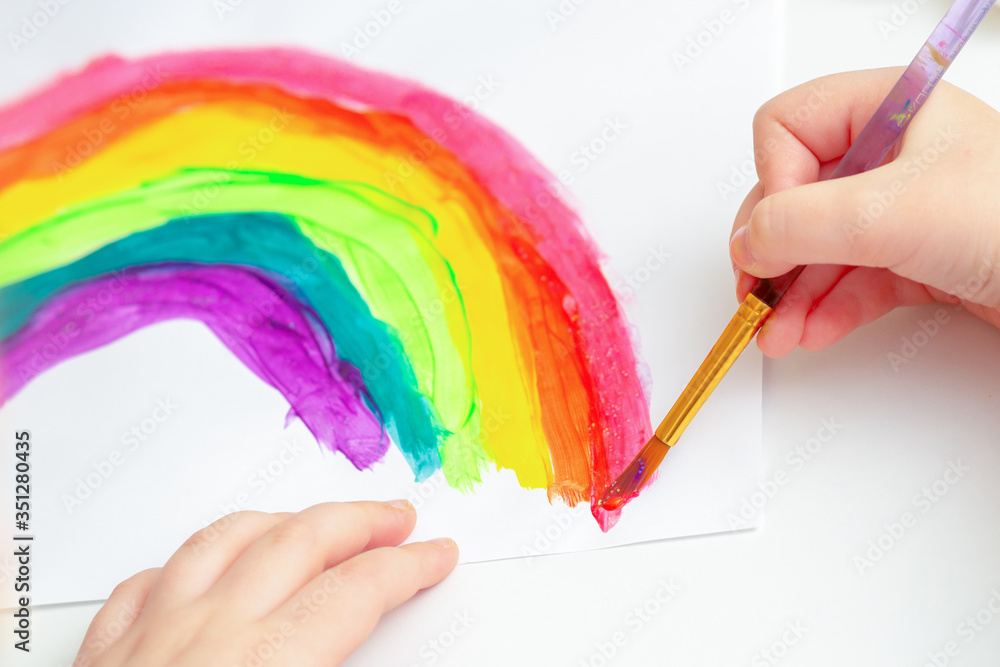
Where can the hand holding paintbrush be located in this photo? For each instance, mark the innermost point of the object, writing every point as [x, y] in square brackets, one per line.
[923, 228]
[784, 226]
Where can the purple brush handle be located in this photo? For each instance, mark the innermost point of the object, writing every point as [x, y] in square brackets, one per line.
[896, 112]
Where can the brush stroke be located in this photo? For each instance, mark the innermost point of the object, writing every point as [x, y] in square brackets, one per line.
[560, 330]
[363, 227]
[285, 348]
[273, 244]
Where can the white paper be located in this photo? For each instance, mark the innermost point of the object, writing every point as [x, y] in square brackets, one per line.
[681, 131]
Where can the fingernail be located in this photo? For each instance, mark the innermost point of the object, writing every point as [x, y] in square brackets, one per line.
[738, 249]
[443, 542]
[404, 505]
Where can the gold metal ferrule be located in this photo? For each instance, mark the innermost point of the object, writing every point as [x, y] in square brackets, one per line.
[738, 333]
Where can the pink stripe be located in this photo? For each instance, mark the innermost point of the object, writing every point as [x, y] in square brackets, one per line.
[495, 159]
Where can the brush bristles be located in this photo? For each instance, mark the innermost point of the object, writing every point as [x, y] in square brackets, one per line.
[635, 476]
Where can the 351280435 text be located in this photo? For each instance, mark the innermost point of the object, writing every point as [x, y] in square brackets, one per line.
[22, 540]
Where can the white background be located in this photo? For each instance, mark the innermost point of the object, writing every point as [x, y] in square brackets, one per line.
[738, 591]
[605, 73]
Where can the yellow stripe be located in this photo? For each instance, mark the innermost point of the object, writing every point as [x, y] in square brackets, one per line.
[216, 136]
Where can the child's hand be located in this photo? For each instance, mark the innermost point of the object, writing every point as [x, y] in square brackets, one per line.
[923, 227]
[269, 589]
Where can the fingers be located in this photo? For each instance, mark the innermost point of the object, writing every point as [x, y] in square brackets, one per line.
[117, 615]
[351, 597]
[199, 563]
[746, 208]
[828, 302]
[798, 137]
[744, 281]
[783, 330]
[265, 580]
[802, 129]
[293, 552]
[924, 215]
[860, 297]
[830, 222]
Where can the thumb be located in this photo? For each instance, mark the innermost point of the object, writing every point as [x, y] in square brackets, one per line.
[855, 221]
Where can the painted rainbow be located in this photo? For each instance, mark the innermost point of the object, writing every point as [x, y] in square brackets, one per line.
[396, 266]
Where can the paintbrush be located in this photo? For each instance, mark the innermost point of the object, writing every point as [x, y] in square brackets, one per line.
[867, 152]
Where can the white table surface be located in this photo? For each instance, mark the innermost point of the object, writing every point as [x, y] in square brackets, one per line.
[791, 588]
